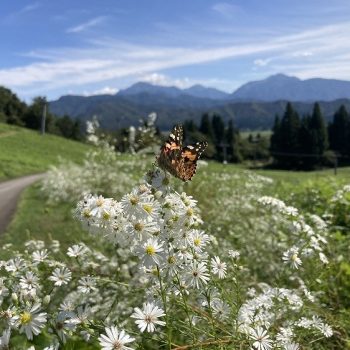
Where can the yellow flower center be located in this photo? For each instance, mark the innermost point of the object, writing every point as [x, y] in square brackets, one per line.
[138, 226]
[26, 317]
[171, 260]
[87, 213]
[189, 212]
[99, 202]
[294, 257]
[106, 216]
[197, 241]
[150, 250]
[148, 208]
[134, 200]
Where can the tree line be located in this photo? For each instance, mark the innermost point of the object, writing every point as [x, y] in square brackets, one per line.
[14, 111]
[225, 140]
[308, 142]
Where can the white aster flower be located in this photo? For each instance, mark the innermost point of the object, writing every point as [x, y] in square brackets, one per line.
[15, 265]
[29, 283]
[77, 250]
[218, 267]
[149, 252]
[147, 318]
[198, 240]
[40, 255]
[197, 274]
[115, 340]
[326, 330]
[60, 276]
[260, 338]
[5, 339]
[234, 254]
[291, 257]
[87, 284]
[30, 321]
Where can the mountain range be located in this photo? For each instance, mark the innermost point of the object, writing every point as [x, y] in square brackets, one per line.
[252, 106]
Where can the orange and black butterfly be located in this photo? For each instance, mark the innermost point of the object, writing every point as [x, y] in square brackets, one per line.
[177, 160]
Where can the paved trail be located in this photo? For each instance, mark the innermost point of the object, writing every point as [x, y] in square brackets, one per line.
[9, 195]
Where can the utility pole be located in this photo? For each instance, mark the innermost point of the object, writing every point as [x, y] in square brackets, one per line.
[43, 119]
[224, 150]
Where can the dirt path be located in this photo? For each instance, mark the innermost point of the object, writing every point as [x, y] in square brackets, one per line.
[9, 195]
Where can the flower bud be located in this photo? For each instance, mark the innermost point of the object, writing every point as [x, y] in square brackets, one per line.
[14, 297]
[46, 300]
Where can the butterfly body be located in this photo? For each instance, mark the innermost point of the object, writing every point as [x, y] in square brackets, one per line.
[180, 161]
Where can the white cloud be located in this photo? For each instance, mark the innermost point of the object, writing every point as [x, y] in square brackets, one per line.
[65, 68]
[107, 90]
[163, 80]
[262, 62]
[83, 26]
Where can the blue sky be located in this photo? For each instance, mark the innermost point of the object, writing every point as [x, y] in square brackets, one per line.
[85, 47]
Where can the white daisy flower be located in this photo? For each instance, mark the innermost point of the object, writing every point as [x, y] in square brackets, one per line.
[5, 339]
[234, 254]
[87, 284]
[142, 228]
[77, 250]
[291, 346]
[198, 240]
[291, 257]
[149, 252]
[147, 318]
[15, 265]
[260, 338]
[115, 340]
[40, 255]
[30, 321]
[197, 274]
[60, 276]
[218, 267]
[326, 330]
[29, 282]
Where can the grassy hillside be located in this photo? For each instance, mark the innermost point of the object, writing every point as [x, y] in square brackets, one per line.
[24, 151]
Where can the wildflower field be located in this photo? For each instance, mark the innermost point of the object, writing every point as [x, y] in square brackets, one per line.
[114, 254]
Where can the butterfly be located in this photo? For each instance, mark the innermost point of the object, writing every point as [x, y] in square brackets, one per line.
[177, 160]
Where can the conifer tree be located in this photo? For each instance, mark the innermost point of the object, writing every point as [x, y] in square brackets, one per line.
[218, 128]
[232, 139]
[206, 127]
[288, 144]
[319, 132]
[339, 131]
[275, 137]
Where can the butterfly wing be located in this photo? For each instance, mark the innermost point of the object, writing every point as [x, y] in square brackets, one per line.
[171, 150]
[188, 163]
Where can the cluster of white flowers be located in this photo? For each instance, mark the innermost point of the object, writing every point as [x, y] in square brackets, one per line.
[278, 205]
[307, 240]
[160, 272]
[278, 309]
[160, 227]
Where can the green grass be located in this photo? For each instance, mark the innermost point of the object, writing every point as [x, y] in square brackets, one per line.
[35, 218]
[24, 151]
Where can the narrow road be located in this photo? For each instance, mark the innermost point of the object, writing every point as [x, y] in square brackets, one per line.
[9, 195]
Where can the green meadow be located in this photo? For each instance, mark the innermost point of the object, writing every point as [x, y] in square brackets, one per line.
[24, 151]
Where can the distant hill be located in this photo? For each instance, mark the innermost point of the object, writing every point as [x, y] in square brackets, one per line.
[117, 111]
[252, 106]
[283, 87]
[172, 91]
